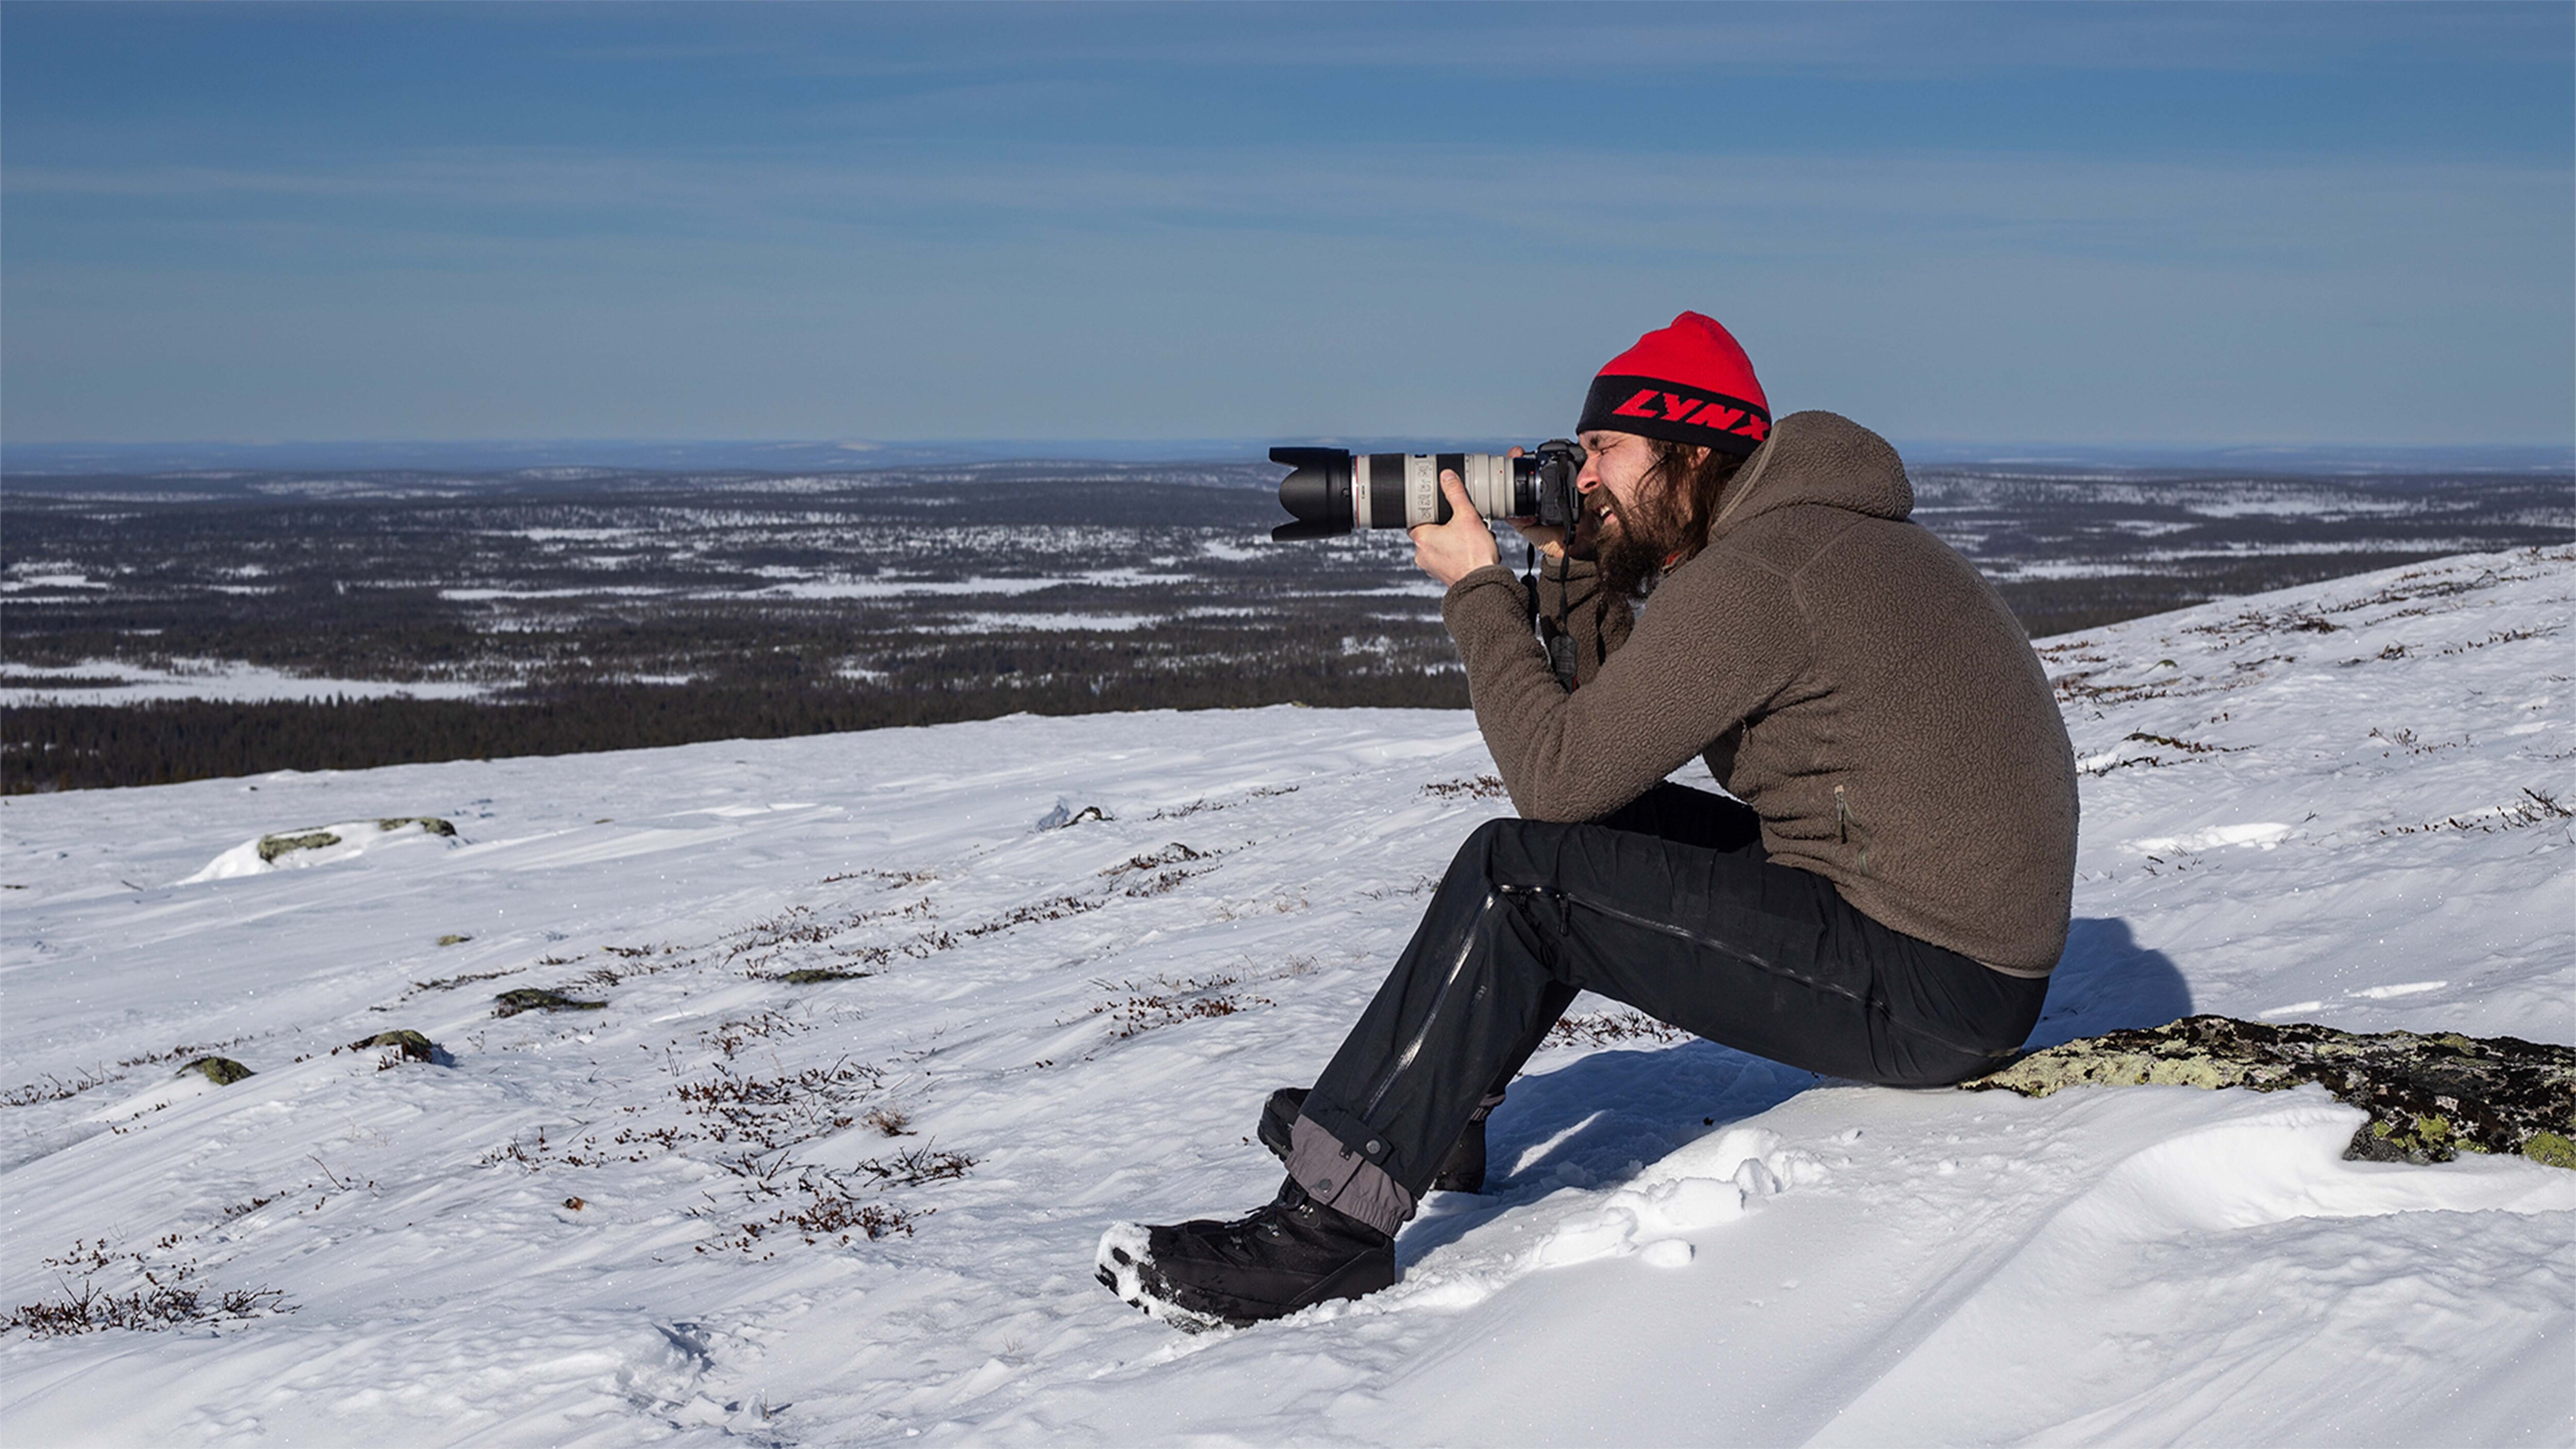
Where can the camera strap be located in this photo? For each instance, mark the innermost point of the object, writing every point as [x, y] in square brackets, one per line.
[1553, 636]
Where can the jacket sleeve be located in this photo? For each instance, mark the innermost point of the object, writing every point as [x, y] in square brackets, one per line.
[1599, 620]
[1722, 641]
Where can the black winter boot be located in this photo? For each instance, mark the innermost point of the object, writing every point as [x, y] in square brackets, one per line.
[1463, 1170]
[1292, 1253]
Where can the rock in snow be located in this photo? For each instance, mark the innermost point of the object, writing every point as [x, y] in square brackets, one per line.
[222, 1071]
[315, 845]
[409, 1046]
[533, 998]
[732, 1204]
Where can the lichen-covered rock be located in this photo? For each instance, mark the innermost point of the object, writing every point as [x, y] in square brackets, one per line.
[453, 939]
[430, 823]
[530, 998]
[2430, 1097]
[817, 975]
[415, 1047]
[222, 1071]
[273, 846]
[2550, 1148]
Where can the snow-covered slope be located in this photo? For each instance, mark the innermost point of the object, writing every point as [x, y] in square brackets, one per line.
[649, 1222]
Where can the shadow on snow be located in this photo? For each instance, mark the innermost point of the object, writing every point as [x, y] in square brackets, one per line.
[1601, 1118]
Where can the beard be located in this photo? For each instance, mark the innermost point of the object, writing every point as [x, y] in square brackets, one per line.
[1632, 548]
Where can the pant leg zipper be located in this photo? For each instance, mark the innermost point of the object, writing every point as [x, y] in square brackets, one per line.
[1723, 948]
[1422, 1033]
[1760, 963]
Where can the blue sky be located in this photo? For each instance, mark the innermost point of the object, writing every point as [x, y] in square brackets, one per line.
[2080, 223]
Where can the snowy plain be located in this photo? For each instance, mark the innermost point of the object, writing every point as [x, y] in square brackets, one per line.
[2344, 803]
[111, 681]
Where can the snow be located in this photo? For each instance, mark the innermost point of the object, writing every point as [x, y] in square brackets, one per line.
[111, 681]
[486, 596]
[2351, 790]
[320, 845]
[2263, 833]
[889, 586]
[70, 580]
[1043, 622]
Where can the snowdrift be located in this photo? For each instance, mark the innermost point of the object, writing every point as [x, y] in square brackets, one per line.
[320, 845]
[880, 1057]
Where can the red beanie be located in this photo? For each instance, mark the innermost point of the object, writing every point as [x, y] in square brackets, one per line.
[1688, 383]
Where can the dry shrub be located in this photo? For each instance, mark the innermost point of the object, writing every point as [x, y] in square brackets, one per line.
[829, 1211]
[776, 1113]
[175, 1053]
[55, 1089]
[730, 1037]
[1179, 812]
[2536, 807]
[888, 877]
[1191, 998]
[922, 1164]
[1058, 909]
[450, 983]
[163, 1295]
[1163, 870]
[1173, 854]
[841, 1215]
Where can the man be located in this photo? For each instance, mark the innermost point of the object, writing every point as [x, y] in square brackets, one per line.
[1883, 905]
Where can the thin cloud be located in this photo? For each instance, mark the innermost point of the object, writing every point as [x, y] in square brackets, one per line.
[2290, 210]
[1536, 41]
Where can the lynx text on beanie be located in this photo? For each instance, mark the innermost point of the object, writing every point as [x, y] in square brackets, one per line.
[1687, 383]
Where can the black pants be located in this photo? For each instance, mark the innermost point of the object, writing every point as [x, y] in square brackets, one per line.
[1670, 906]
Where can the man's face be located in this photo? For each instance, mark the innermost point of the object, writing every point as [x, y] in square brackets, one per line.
[1634, 516]
[1628, 523]
[1618, 473]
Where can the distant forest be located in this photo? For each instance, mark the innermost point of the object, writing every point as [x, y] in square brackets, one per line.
[599, 610]
[77, 747]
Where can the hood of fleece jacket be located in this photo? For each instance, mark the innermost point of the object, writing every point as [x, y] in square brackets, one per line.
[1817, 457]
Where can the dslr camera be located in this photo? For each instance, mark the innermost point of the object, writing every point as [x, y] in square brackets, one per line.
[1334, 491]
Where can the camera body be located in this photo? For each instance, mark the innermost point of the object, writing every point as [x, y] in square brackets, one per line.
[1333, 491]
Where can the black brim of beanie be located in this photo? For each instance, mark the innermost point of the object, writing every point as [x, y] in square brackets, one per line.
[1659, 408]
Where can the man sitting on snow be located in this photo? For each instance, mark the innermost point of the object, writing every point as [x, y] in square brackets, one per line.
[1884, 905]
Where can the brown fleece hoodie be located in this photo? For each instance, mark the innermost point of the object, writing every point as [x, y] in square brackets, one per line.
[1839, 669]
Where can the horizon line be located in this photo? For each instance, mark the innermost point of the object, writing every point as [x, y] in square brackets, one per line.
[865, 455]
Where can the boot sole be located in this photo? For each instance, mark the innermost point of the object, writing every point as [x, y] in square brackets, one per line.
[1123, 1266]
[1126, 1269]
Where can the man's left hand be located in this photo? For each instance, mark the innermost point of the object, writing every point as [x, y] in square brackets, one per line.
[1451, 551]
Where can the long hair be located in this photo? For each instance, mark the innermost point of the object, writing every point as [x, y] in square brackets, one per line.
[1693, 491]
